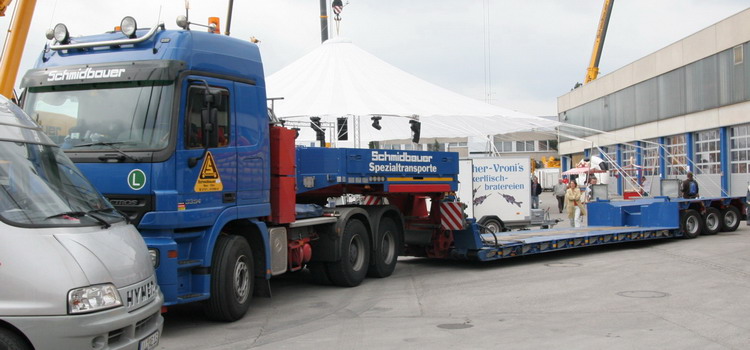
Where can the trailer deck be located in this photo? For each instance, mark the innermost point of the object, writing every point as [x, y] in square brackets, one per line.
[609, 222]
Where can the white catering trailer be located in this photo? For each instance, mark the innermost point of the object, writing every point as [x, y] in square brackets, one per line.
[497, 193]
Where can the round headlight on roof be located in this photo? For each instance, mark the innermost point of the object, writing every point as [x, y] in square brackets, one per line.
[60, 33]
[128, 26]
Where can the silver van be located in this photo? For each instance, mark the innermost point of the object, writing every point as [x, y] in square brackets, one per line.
[74, 274]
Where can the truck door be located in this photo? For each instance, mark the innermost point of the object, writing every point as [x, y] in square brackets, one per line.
[252, 147]
[212, 181]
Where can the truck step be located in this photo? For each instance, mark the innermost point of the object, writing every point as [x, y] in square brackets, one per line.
[189, 296]
[189, 263]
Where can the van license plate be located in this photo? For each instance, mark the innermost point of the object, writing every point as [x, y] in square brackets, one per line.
[150, 342]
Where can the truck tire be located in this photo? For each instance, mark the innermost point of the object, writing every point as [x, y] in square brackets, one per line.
[712, 220]
[730, 219]
[384, 256]
[350, 271]
[9, 340]
[691, 224]
[232, 278]
[493, 226]
[319, 273]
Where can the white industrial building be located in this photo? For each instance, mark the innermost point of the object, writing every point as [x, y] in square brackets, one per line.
[684, 107]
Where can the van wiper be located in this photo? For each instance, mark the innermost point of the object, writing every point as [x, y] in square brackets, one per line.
[78, 214]
[111, 145]
[102, 210]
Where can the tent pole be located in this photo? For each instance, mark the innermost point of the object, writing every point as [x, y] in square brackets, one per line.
[323, 21]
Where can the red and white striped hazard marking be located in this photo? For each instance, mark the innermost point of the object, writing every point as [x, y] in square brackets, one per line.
[451, 216]
[371, 200]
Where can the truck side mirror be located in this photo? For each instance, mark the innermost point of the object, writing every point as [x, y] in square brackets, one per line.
[211, 128]
[207, 126]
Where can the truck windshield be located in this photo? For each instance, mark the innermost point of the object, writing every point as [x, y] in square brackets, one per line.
[40, 186]
[96, 117]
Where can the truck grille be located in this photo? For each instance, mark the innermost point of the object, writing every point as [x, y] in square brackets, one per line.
[134, 206]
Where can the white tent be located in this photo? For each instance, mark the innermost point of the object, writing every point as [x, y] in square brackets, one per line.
[340, 79]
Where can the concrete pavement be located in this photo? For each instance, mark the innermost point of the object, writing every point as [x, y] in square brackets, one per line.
[670, 294]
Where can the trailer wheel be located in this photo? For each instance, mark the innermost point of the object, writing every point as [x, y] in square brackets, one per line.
[712, 221]
[232, 278]
[12, 341]
[493, 226]
[383, 261]
[691, 224]
[730, 219]
[350, 271]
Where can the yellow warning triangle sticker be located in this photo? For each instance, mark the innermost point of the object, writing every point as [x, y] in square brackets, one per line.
[209, 179]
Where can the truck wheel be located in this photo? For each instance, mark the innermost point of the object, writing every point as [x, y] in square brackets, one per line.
[730, 219]
[383, 262]
[355, 255]
[712, 220]
[691, 224]
[232, 277]
[493, 226]
[319, 273]
[12, 341]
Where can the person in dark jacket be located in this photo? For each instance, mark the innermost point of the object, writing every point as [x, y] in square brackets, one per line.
[690, 187]
[536, 190]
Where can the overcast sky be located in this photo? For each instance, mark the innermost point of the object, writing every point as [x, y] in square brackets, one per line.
[537, 50]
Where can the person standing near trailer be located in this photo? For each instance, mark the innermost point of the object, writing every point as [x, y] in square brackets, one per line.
[559, 191]
[572, 201]
[690, 187]
[536, 190]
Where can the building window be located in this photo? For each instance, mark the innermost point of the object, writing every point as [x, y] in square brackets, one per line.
[650, 155]
[610, 155]
[524, 146]
[707, 150]
[628, 159]
[547, 145]
[543, 146]
[676, 154]
[504, 146]
[739, 146]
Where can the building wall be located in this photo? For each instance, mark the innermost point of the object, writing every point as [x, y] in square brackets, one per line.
[721, 36]
[695, 88]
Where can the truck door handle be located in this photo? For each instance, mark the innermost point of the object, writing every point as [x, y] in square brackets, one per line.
[229, 197]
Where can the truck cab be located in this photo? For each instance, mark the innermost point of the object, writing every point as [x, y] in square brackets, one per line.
[172, 129]
[74, 273]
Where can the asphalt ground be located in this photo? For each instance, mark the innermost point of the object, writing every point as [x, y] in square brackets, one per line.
[666, 294]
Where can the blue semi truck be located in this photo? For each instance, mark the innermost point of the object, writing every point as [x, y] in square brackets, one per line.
[173, 127]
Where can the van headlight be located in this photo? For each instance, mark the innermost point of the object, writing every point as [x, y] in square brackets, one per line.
[93, 298]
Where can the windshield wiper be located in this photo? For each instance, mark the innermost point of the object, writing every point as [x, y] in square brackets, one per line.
[72, 214]
[112, 146]
[78, 214]
[102, 210]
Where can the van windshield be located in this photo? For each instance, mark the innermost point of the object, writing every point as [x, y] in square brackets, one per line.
[93, 117]
[40, 186]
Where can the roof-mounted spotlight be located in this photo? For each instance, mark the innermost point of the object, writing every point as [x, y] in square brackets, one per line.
[128, 26]
[376, 122]
[59, 33]
[416, 128]
[182, 22]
